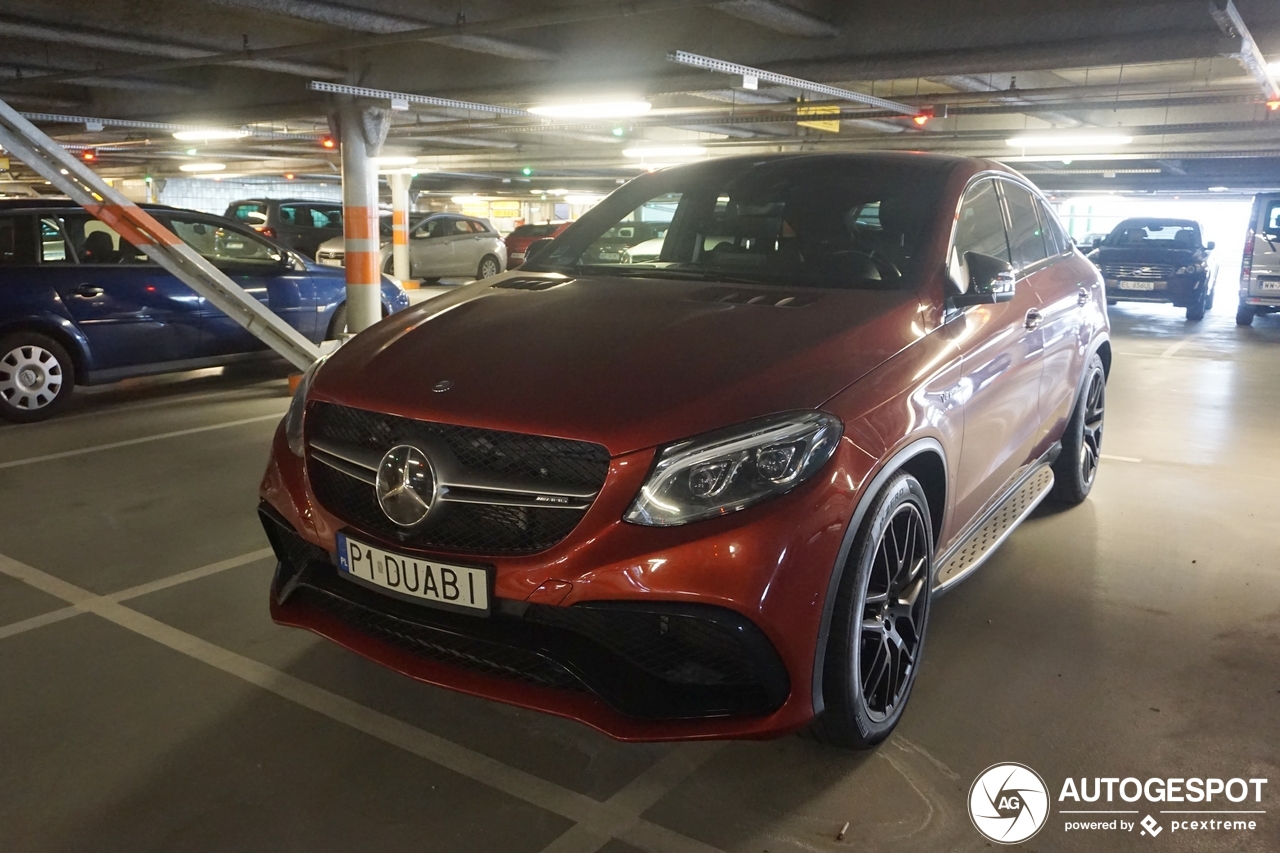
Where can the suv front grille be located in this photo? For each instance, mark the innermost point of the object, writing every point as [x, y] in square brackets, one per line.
[1138, 272]
[510, 493]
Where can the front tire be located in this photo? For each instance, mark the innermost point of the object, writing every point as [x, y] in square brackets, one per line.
[36, 377]
[1195, 311]
[1076, 467]
[879, 622]
[1245, 315]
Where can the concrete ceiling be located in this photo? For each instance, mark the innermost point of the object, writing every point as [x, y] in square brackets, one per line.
[1162, 73]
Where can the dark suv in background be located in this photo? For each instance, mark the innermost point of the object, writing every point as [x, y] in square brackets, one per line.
[298, 223]
[1158, 260]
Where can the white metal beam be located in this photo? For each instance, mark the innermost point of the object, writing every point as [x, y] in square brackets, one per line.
[28, 143]
[1230, 22]
[757, 74]
[385, 95]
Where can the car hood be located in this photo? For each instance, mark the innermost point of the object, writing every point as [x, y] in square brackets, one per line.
[1173, 257]
[628, 363]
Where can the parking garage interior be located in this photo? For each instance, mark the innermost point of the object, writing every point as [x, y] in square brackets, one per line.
[148, 702]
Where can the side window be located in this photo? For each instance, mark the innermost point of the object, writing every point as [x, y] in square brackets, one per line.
[296, 215]
[460, 226]
[980, 224]
[430, 228]
[250, 213]
[1026, 238]
[1055, 237]
[1271, 220]
[326, 217]
[17, 243]
[54, 248]
[226, 247]
[97, 243]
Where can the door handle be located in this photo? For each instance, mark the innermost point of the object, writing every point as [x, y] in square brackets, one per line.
[1082, 299]
[87, 290]
[1034, 319]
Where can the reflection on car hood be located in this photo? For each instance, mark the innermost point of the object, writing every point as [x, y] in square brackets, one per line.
[1145, 255]
[628, 363]
[338, 244]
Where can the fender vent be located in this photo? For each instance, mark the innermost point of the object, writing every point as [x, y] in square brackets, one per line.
[530, 283]
[766, 298]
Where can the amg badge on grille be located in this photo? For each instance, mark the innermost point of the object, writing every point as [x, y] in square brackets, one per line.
[406, 485]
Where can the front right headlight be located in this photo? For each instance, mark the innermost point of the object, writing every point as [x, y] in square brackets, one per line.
[297, 406]
[732, 469]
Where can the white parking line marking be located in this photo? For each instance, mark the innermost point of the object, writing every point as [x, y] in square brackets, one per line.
[31, 460]
[603, 819]
[636, 798]
[1173, 349]
[133, 592]
[1120, 458]
[38, 621]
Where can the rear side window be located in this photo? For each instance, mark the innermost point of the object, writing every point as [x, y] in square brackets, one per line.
[54, 248]
[479, 227]
[326, 217]
[1026, 237]
[535, 230]
[296, 215]
[226, 247]
[97, 243]
[980, 227]
[17, 243]
[250, 213]
[1055, 238]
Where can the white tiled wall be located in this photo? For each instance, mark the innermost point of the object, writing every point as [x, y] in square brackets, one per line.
[212, 196]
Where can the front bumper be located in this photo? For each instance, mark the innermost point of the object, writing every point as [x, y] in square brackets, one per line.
[642, 633]
[1176, 290]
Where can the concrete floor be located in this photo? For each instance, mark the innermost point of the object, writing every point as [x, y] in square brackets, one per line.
[148, 704]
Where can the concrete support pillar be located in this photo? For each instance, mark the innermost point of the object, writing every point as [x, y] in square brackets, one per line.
[400, 228]
[360, 222]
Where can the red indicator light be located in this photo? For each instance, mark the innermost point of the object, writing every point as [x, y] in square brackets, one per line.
[327, 142]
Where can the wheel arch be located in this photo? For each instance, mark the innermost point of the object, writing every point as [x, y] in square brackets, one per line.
[72, 340]
[926, 460]
[1104, 352]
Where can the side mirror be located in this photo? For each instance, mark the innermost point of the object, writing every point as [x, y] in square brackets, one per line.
[1097, 242]
[991, 281]
[536, 247]
[1209, 245]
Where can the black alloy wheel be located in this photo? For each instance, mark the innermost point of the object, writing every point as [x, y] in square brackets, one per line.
[1076, 467]
[893, 611]
[880, 619]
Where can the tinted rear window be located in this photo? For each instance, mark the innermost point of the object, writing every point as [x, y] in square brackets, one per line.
[250, 212]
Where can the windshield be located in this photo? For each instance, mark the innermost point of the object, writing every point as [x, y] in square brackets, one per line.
[1134, 234]
[818, 221]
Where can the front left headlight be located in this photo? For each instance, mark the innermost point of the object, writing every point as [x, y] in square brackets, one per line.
[732, 469]
[298, 405]
[1189, 269]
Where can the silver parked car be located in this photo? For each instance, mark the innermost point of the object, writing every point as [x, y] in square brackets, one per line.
[441, 245]
[1260, 268]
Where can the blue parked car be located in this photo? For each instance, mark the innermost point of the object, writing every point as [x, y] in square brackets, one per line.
[79, 305]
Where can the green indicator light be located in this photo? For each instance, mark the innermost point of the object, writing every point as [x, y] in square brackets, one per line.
[526, 171]
[617, 131]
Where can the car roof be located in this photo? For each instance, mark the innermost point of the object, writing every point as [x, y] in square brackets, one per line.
[282, 201]
[63, 203]
[1159, 222]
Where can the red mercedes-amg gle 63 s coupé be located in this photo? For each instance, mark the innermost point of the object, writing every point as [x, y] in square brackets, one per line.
[710, 493]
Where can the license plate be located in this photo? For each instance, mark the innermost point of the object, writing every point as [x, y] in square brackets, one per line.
[437, 584]
[330, 262]
[1138, 285]
[1269, 285]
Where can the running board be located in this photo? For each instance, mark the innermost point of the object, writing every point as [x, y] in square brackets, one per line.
[973, 551]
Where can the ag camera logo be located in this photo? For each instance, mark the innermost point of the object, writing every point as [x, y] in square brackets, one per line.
[1008, 803]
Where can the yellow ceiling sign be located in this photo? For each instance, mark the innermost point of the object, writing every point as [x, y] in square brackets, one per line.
[4, 164]
[829, 125]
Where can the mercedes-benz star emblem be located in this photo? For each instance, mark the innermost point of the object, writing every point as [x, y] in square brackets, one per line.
[406, 485]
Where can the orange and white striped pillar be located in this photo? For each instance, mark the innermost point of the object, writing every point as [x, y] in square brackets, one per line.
[360, 227]
[400, 228]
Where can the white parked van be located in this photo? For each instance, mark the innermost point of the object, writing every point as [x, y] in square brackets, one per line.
[1260, 268]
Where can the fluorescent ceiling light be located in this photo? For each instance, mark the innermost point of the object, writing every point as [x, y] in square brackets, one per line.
[202, 167]
[1067, 140]
[592, 109]
[468, 199]
[665, 151]
[395, 160]
[206, 134]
